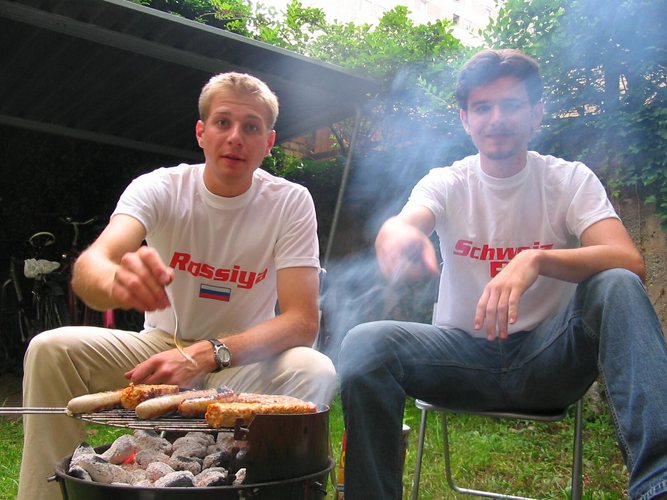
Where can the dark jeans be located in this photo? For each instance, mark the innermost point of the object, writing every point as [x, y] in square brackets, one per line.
[609, 328]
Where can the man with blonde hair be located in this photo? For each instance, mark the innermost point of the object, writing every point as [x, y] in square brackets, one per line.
[226, 242]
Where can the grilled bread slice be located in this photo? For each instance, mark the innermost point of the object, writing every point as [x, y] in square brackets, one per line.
[133, 394]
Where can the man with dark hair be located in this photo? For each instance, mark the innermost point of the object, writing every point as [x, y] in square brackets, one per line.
[540, 293]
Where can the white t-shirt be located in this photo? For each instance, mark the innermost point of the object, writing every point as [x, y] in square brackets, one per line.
[225, 251]
[483, 221]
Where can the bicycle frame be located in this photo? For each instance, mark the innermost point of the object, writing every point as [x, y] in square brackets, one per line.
[79, 312]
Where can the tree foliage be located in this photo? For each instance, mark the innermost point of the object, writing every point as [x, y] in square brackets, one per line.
[603, 65]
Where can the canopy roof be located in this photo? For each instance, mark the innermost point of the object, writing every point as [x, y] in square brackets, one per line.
[116, 72]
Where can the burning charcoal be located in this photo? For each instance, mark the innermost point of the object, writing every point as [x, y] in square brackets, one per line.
[192, 464]
[79, 473]
[143, 484]
[145, 457]
[190, 449]
[121, 450]
[101, 471]
[217, 459]
[149, 440]
[201, 437]
[225, 441]
[156, 470]
[216, 476]
[181, 478]
[87, 457]
[137, 476]
[83, 449]
[239, 477]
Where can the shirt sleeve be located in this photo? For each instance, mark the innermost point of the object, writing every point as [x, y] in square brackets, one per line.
[297, 244]
[589, 203]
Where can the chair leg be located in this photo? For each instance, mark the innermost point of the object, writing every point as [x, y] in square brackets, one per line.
[448, 470]
[577, 452]
[420, 451]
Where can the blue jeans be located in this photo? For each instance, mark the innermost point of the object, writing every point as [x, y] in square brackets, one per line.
[609, 328]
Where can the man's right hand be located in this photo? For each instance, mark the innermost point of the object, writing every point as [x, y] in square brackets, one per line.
[140, 281]
[404, 251]
[117, 271]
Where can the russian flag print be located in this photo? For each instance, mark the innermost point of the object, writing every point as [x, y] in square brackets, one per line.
[214, 292]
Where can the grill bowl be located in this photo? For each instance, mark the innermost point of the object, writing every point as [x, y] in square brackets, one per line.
[287, 458]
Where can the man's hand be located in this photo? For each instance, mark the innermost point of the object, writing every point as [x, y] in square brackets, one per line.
[140, 280]
[404, 252]
[498, 306]
[170, 367]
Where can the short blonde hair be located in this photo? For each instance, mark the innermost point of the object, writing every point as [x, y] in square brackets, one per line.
[242, 84]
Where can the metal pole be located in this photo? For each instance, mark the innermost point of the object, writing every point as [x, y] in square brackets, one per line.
[343, 184]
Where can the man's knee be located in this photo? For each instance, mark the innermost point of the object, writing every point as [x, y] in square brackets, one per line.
[43, 348]
[316, 372]
[366, 345]
[615, 277]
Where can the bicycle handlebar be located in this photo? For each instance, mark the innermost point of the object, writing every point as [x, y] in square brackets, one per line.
[42, 239]
[75, 225]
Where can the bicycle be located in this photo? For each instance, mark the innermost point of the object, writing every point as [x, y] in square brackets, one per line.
[49, 304]
[25, 314]
[15, 323]
[79, 313]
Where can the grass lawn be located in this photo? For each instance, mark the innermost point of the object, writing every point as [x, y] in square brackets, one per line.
[522, 458]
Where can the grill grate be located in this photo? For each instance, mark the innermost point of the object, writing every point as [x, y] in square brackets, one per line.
[128, 419]
[120, 417]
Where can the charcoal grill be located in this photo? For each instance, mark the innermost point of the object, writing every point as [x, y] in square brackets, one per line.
[283, 453]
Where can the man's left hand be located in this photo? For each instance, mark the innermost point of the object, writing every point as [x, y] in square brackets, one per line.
[498, 306]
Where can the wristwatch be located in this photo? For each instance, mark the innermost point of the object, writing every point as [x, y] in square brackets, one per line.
[221, 355]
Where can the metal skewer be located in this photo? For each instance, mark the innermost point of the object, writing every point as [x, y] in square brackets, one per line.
[20, 410]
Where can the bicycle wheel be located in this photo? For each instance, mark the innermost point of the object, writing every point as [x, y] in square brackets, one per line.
[15, 330]
[51, 307]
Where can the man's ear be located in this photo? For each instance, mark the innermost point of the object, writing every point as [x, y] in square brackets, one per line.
[271, 140]
[199, 131]
[464, 120]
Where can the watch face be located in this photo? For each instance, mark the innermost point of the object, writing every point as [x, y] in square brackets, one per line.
[224, 355]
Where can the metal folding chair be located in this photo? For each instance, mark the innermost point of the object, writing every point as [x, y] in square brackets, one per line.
[541, 417]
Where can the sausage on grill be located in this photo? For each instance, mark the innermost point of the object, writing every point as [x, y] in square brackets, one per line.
[89, 403]
[196, 407]
[162, 405]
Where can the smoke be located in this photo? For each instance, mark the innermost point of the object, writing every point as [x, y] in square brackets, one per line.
[406, 143]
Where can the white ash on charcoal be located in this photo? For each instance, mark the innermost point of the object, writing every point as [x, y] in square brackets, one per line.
[239, 477]
[156, 470]
[144, 459]
[215, 476]
[190, 449]
[121, 450]
[217, 459]
[198, 437]
[181, 462]
[79, 473]
[137, 476]
[151, 440]
[177, 479]
[100, 470]
[83, 449]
